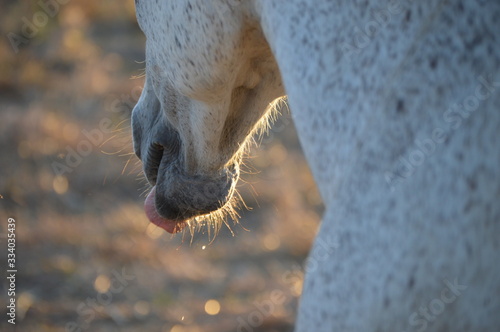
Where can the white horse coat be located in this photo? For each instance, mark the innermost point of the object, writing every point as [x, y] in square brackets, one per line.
[397, 106]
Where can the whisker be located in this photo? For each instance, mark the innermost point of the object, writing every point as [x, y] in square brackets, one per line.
[126, 164]
[107, 140]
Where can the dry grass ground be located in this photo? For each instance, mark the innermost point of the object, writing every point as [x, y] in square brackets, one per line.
[87, 258]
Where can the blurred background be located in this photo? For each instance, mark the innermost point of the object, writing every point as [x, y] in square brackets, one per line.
[87, 257]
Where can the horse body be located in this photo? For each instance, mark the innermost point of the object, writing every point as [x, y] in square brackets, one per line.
[397, 109]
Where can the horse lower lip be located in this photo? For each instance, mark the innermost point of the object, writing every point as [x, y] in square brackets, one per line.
[171, 226]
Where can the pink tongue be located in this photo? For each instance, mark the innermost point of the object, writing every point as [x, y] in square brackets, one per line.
[170, 226]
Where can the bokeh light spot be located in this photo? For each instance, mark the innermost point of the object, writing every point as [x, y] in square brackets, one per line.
[102, 283]
[50, 122]
[73, 38]
[177, 328]
[212, 307]
[45, 179]
[278, 154]
[24, 302]
[64, 264]
[153, 231]
[60, 184]
[49, 146]
[271, 242]
[71, 132]
[142, 308]
[297, 288]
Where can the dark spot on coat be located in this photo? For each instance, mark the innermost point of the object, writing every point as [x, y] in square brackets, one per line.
[400, 106]
[471, 183]
[408, 16]
[433, 63]
[468, 206]
[477, 40]
[387, 302]
[468, 249]
[411, 282]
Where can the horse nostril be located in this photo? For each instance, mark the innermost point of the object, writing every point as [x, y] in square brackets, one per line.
[164, 149]
[152, 161]
[172, 148]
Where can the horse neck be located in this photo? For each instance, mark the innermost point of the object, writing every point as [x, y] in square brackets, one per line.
[370, 86]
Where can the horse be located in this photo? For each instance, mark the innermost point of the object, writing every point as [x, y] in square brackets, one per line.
[397, 109]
